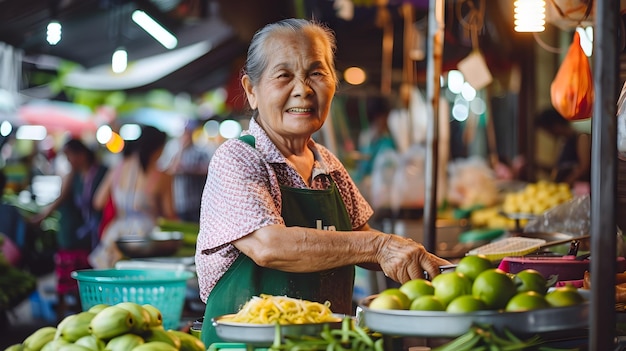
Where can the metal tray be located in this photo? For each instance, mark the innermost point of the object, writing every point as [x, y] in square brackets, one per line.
[444, 324]
[263, 334]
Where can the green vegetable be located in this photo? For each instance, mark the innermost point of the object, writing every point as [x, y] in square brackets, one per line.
[349, 338]
[485, 338]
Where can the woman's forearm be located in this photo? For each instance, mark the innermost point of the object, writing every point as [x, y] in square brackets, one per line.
[298, 249]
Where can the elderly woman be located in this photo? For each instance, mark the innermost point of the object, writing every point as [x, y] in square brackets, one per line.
[280, 214]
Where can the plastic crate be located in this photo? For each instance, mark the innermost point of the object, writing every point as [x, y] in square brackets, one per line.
[164, 289]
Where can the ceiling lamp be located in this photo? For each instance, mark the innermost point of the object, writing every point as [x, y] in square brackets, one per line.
[530, 15]
[119, 61]
[53, 32]
[167, 39]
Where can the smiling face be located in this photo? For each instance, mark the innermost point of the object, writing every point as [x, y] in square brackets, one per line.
[293, 95]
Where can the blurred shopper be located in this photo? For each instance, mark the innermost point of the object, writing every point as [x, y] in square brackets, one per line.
[573, 164]
[79, 220]
[12, 227]
[188, 164]
[140, 193]
[377, 137]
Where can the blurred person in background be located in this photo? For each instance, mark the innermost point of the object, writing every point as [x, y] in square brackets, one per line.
[140, 192]
[377, 136]
[573, 164]
[79, 220]
[12, 227]
[188, 164]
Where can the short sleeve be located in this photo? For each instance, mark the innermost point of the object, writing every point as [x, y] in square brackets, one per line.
[238, 197]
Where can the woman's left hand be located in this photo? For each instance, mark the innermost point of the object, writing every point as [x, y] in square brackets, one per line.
[403, 259]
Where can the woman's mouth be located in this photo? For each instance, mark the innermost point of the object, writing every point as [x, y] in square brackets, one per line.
[299, 110]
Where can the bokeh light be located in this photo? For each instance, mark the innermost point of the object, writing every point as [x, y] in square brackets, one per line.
[354, 75]
[230, 129]
[115, 144]
[103, 134]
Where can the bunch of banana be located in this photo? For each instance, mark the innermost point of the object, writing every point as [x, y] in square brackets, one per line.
[126, 326]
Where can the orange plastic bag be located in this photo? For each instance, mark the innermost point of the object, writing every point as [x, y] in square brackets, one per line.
[571, 91]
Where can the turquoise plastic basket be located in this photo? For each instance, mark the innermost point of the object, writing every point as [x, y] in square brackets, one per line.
[164, 289]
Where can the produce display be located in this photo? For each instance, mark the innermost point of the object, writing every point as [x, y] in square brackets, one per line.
[474, 286]
[536, 198]
[533, 200]
[126, 326]
[269, 309]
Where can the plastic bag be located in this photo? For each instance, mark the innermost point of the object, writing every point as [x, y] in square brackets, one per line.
[385, 165]
[571, 91]
[471, 183]
[408, 186]
[571, 217]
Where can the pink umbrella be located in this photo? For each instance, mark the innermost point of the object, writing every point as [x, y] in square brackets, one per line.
[58, 116]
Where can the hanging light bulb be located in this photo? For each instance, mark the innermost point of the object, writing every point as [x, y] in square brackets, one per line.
[53, 32]
[530, 15]
[119, 60]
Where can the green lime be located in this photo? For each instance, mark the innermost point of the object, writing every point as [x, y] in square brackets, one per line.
[494, 287]
[427, 303]
[564, 296]
[417, 287]
[465, 304]
[526, 301]
[386, 302]
[530, 280]
[449, 285]
[406, 302]
[471, 266]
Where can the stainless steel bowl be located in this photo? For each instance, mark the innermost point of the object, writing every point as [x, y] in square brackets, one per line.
[156, 244]
[262, 335]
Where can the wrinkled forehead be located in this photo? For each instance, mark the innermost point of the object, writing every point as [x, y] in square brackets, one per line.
[307, 41]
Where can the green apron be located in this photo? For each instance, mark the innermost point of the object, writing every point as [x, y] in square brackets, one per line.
[322, 209]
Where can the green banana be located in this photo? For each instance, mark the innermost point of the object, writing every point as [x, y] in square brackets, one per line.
[62, 324]
[111, 322]
[155, 346]
[188, 342]
[156, 318]
[37, 340]
[97, 308]
[74, 347]
[91, 342]
[54, 345]
[15, 347]
[159, 334]
[141, 316]
[76, 327]
[124, 342]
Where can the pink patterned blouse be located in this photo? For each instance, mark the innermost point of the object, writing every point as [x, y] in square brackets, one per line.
[242, 194]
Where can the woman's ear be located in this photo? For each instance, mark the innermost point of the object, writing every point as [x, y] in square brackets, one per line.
[246, 83]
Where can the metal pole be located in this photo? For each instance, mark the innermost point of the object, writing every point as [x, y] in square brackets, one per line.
[603, 174]
[433, 87]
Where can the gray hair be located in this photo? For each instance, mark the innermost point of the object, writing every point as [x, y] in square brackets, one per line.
[256, 62]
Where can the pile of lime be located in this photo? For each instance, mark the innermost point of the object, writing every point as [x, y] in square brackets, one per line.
[476, 285]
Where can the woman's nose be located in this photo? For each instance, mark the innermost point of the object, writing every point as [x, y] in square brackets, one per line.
[302, 88]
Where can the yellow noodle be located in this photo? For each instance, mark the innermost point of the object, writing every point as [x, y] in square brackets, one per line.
[269, 309]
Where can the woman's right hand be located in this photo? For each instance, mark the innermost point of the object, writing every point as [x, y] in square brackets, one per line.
[403, 259]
